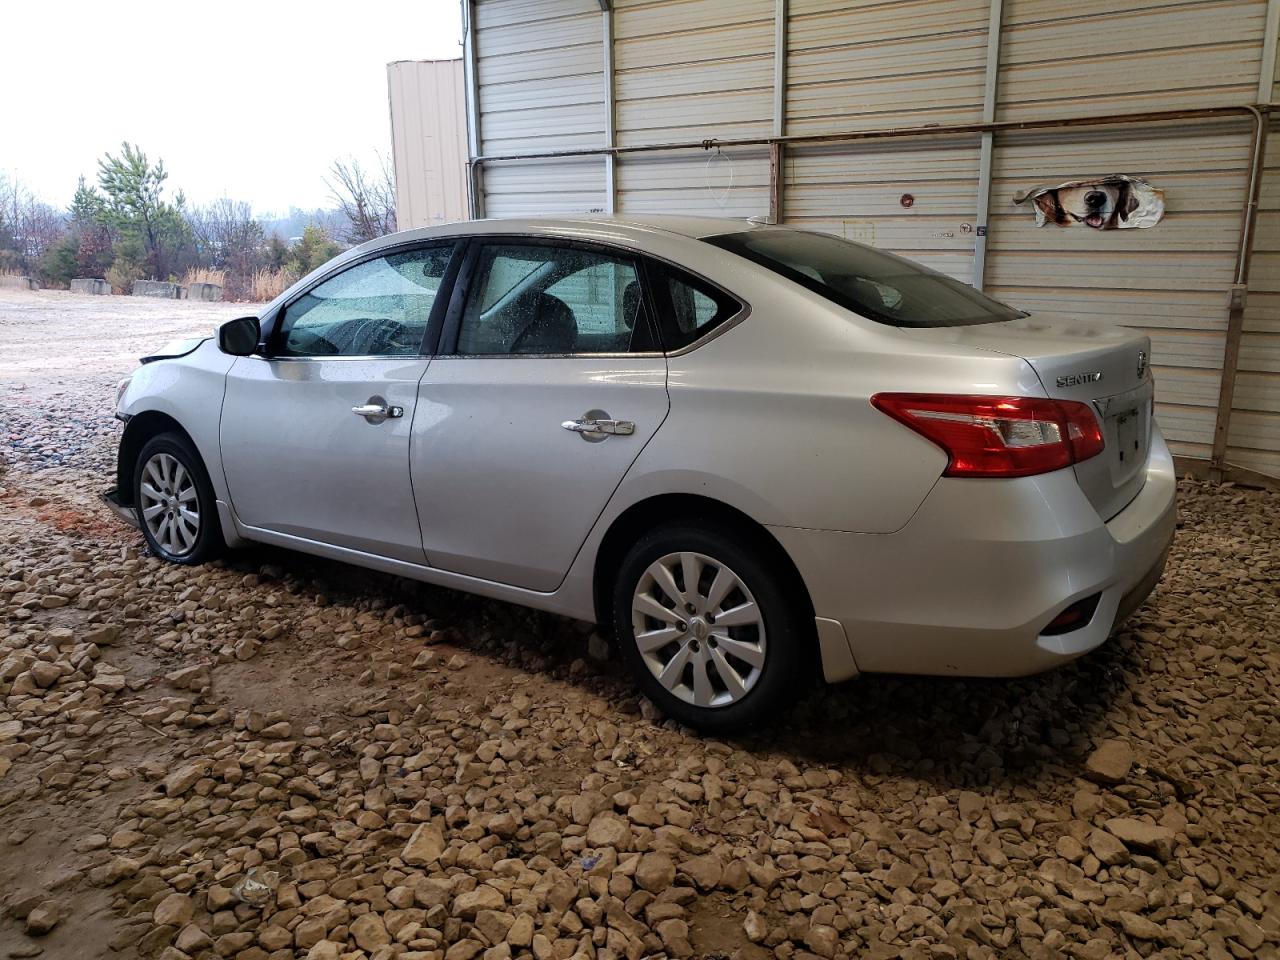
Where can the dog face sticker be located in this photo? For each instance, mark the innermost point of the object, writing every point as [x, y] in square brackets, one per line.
[1117, 202]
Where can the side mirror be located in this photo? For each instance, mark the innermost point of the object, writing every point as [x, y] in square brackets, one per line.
[239, 337]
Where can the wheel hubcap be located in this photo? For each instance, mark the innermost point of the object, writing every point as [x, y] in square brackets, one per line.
[170, 506]
[698, 629]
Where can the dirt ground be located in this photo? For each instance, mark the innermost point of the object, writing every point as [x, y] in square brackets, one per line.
[278, 757]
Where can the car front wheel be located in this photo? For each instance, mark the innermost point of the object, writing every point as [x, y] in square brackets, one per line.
[707, 628]
[175, 502]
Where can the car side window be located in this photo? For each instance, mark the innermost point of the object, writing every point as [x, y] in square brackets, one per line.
[542, 298]
[378, 308]
[696, 309]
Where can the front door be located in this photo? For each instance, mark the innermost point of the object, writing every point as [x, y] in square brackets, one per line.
[548, 385]
[315, 435]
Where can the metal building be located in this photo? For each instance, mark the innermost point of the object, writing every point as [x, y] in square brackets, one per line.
[911, 125]
[428, 141]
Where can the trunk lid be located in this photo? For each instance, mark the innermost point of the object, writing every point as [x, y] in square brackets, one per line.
[1104, 366]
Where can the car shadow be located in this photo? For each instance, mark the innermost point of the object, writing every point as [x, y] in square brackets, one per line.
[950, 732]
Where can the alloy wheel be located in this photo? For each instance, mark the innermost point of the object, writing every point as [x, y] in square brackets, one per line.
[169, 504]
[698, 629]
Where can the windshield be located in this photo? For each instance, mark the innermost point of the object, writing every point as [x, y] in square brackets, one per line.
[877, 285]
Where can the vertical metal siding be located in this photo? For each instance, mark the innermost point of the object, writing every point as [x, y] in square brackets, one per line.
[541, 87]
[1103, 56]
[1171, 281]
[428, 141]
[863, 65]
[690, 69]
[1254, 438]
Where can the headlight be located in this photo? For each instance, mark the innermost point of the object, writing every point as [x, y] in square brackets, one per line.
[121, 387]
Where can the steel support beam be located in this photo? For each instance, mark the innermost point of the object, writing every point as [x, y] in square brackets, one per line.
[987, 144]
[777, 152]
[610, 112]
[1239, 294]
[475, 175]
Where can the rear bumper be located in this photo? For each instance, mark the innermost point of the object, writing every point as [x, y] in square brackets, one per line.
[127, 514]
[968, 586]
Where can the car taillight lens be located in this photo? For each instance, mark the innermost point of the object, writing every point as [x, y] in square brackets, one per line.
[998, 436]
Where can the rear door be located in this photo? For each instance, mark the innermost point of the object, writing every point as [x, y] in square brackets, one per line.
[315, 434]
[548, 384]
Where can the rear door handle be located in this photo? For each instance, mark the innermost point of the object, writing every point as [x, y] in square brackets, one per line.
[592, 428]
[377, 410]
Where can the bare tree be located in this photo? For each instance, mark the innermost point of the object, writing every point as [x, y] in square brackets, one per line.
[367, 200]
[28, 227]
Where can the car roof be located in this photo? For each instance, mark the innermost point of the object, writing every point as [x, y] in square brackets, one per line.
[586, 226]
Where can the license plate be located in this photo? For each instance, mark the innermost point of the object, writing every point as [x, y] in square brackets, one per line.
[1131, 430]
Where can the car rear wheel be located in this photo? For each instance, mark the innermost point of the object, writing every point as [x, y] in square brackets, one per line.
[175, 502]
[707, 628]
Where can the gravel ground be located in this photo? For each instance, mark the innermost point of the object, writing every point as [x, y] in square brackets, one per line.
[283, 757]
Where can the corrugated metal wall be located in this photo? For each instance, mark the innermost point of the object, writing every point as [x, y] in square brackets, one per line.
[1172, 281]
[873, 65]
[428, 141]
[696, 69]
[1254, 438]
[690, 69]
[540, 86]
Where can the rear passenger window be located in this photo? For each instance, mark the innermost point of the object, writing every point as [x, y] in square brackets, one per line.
[547, 299]
[696, 309]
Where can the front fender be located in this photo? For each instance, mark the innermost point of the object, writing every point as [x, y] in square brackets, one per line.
[186, 391]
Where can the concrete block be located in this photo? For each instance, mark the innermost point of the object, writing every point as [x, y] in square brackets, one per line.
[18, 283]
[155, 288]
[203, 291]
[89, 285]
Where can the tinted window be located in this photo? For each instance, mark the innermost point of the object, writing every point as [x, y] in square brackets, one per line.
[547, 299]
[376, 308]
[695, 308]
[878, 285]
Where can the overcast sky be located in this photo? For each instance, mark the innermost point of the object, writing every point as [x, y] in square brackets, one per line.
[250, 100]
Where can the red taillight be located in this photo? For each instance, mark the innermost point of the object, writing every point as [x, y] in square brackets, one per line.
[998, 436]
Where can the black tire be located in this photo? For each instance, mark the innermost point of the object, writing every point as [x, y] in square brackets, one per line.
[786, 638]
[207, 543]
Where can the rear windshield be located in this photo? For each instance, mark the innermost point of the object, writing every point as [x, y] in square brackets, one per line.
[880, 286]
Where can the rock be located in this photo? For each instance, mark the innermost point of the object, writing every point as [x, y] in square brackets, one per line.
[1140, 928]
[655, 872]
[609, 830]
[1110, 762]
[369, 932]
[277, 731]
[464, 950]
[822, 939]
[43, 919]
[325, 950]
[598, 648]
[1145, 837]
[971, 806]
[755, 927]
[192, 939]
[175, 910]
[194, 677]
[704, 871]
[1107, 848]
[494, 924]
[424, 847]
[484, 897]
[520, 933]
[184, 778]
[45, 674]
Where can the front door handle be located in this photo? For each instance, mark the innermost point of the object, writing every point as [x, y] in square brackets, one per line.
[377, 410]
[596, 428]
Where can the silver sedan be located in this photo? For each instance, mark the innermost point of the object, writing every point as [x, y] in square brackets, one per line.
[750, 453]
